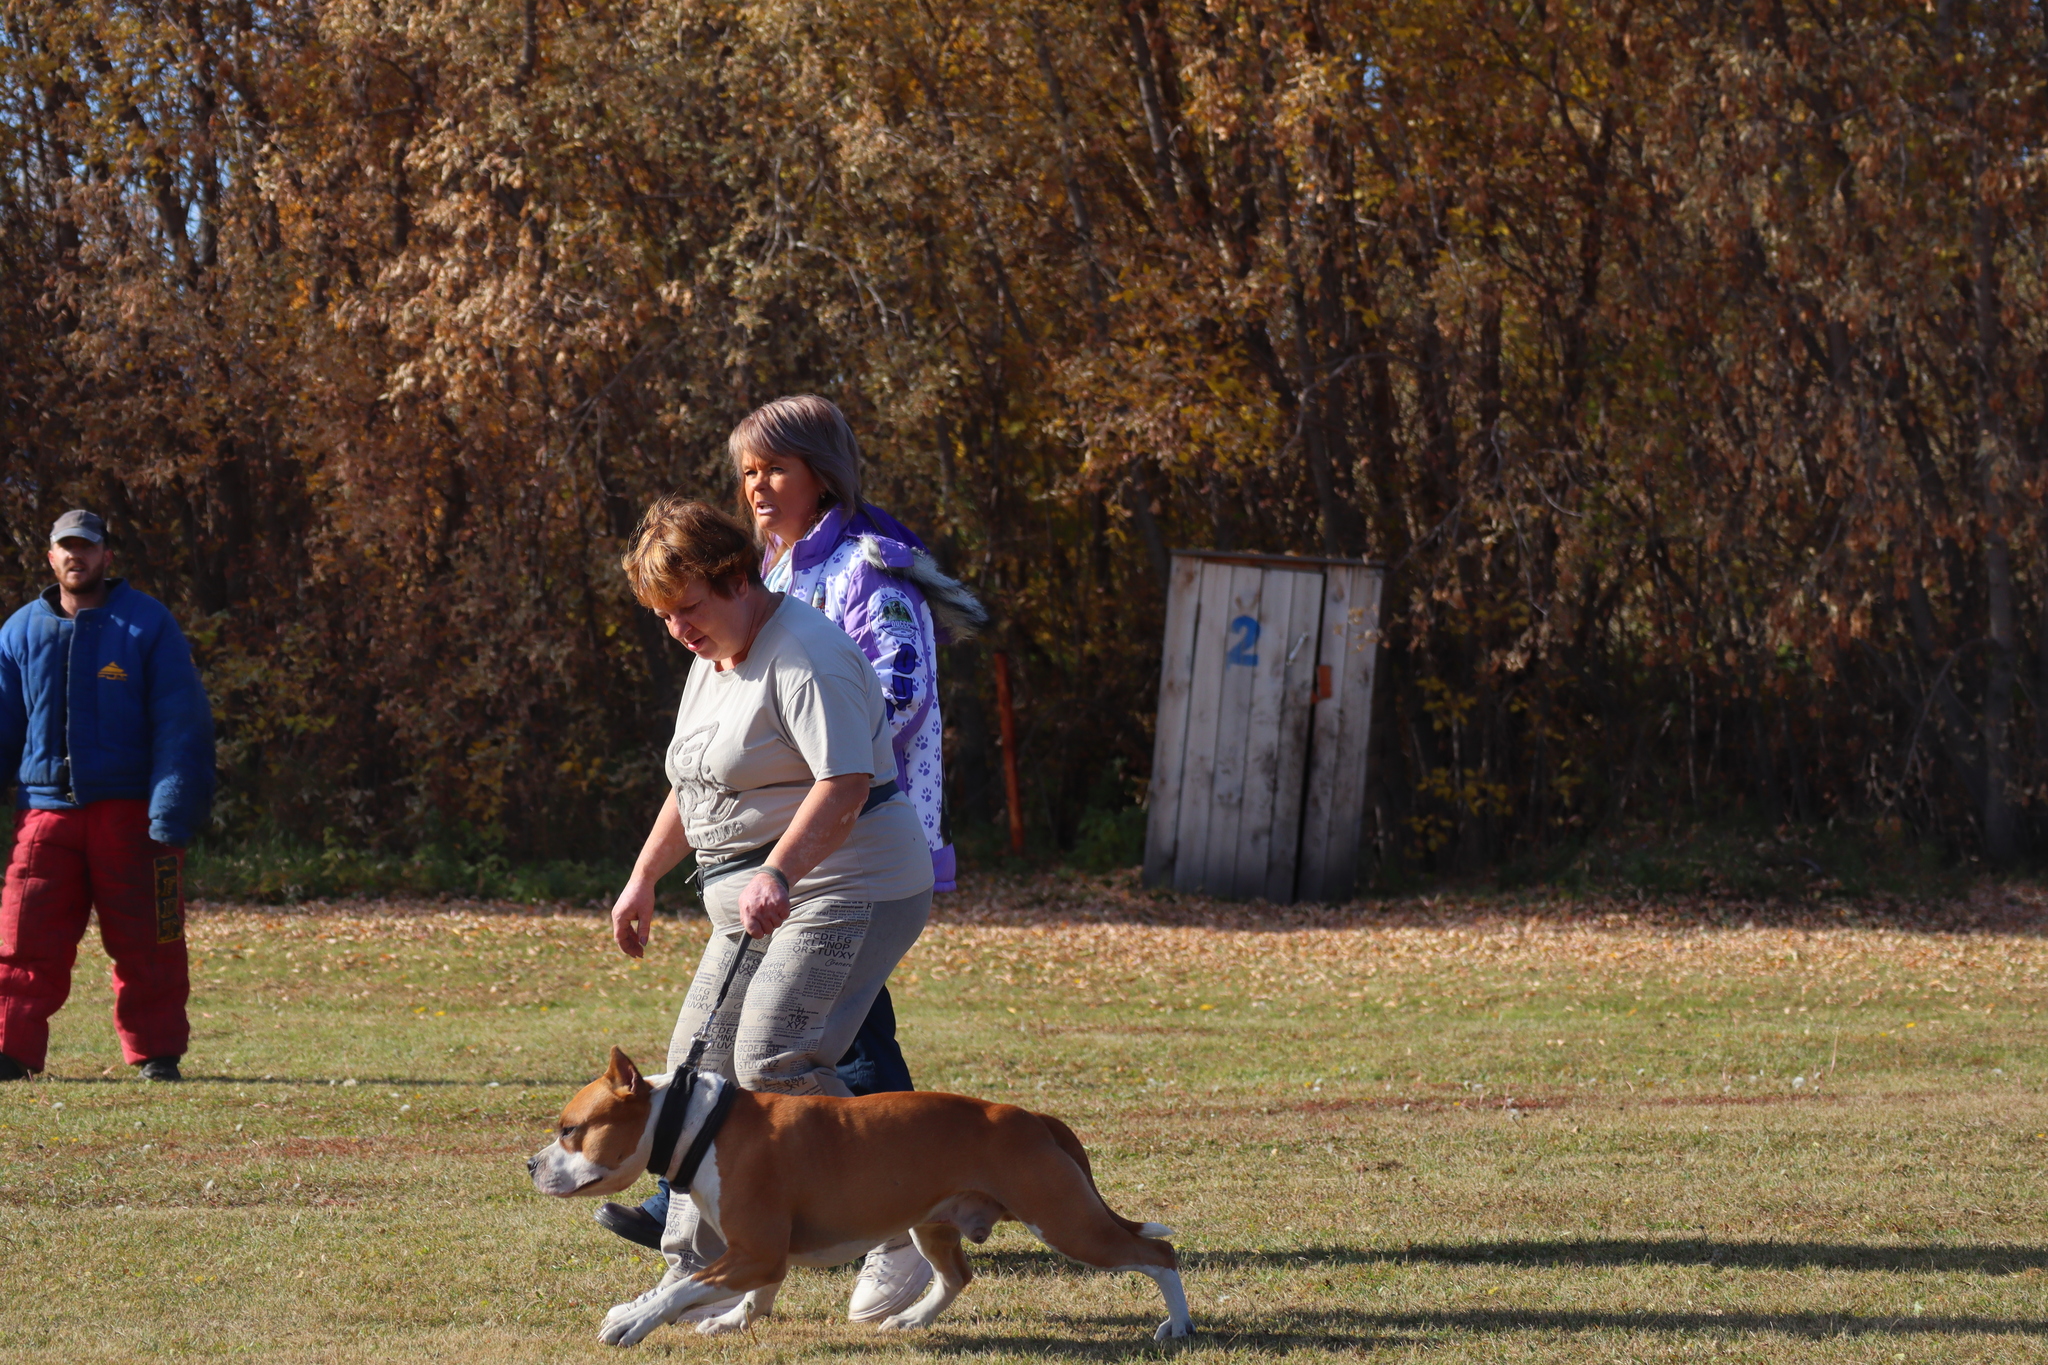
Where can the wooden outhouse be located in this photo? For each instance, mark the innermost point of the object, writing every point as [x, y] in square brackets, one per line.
[1265, 691]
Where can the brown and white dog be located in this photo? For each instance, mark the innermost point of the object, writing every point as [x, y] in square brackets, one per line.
[819, 1180]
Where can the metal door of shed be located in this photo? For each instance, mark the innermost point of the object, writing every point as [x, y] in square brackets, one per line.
[1265, 691]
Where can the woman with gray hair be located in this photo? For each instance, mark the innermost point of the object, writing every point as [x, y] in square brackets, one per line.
[799, 472]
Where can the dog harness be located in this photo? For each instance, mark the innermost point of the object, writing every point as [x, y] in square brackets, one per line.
[668, 1129]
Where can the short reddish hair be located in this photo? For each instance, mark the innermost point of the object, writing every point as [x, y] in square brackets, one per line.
[681, 540]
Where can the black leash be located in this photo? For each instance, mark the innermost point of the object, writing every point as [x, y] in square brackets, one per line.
[669, 1127]
[732, 974]
[675, 1106]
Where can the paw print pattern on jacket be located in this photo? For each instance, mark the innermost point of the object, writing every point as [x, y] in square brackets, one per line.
[888, 618]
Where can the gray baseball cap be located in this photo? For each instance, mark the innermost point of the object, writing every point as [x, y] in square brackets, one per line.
[81, 523]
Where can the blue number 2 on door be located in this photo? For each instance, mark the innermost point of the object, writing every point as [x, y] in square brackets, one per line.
[1244, 648]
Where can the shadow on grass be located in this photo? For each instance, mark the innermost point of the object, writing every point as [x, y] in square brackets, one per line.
[1352, 1329]
[324, 1082]
[1980, 1260]
[1984, 1260]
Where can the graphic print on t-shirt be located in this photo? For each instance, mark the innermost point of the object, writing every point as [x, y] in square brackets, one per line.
[747, 749]
[701, 801]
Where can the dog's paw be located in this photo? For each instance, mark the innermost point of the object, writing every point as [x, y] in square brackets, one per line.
[734, 1320]
[1173, 1331]
[626, 1331]
[629, 1323]
[629, 1330]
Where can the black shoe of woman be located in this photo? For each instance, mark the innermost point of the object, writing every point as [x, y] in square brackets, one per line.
[634, 1224]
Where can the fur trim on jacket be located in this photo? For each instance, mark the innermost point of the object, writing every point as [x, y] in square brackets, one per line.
[956, 611]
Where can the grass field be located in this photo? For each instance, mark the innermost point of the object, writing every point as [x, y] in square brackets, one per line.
[1426, 1130]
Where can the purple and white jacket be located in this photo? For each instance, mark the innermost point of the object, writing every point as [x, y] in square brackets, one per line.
[871, 575]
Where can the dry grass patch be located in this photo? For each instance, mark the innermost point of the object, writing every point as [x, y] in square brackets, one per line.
[1436, 1129]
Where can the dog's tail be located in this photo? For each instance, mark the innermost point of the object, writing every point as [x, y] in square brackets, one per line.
[1071, 1145]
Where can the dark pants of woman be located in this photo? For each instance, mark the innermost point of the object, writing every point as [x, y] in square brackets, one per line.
[874, 1065]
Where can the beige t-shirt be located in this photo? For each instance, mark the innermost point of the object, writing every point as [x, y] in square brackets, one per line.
[750, 741]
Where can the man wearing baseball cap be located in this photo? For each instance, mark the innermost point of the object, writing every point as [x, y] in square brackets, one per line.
[106, 729]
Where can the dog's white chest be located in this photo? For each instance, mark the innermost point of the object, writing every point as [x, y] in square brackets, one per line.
[704, 1189]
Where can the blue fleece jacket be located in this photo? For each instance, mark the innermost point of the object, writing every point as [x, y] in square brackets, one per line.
[114, 692]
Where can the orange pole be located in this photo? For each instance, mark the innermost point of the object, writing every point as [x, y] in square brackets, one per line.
[1008, 714]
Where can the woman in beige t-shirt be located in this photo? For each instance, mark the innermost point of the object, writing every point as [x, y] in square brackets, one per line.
[783, 784]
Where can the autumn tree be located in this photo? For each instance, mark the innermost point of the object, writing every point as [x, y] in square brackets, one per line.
[1683, 363]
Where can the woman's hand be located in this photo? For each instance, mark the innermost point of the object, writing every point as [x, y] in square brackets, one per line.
[820, 825]
[633, 917]
[764, 905]
[633, 912]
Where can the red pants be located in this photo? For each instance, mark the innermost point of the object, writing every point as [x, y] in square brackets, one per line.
[65, 863]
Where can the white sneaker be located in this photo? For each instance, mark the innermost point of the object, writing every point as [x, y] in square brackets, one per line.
[891, 1278]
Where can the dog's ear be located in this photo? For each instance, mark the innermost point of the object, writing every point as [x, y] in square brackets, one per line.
[624, 1077]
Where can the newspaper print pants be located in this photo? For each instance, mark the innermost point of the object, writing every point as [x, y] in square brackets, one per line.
[792, 1012]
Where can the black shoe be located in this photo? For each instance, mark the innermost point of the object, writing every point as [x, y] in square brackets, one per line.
[635, 1225]
[160, 1069]
[11, 1070]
